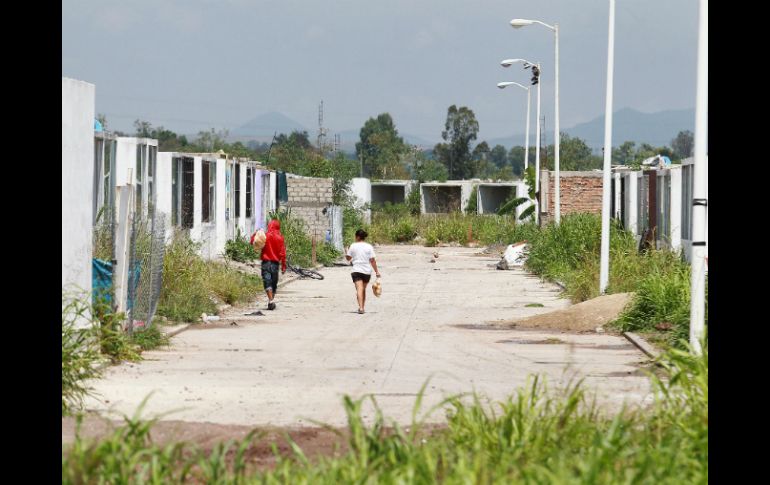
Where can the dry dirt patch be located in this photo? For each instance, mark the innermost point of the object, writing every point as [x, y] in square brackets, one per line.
[585, 316]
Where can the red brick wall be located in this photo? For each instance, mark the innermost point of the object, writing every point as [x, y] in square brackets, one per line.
[580, 192]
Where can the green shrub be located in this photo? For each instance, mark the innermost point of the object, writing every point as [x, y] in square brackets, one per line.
[536, 436]
[79, 352]
[230, 285]
[240, 249]
[185, 293]
[299, 246]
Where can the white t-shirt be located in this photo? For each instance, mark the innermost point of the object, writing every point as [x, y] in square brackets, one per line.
[361, 253]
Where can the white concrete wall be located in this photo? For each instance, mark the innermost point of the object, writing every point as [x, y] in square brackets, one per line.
[361, 189]
[675, 206]
[632, 216]
[163, 184]
[77, 183]
[221, 223]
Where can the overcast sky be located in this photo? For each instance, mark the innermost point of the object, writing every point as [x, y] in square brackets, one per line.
[194, 64]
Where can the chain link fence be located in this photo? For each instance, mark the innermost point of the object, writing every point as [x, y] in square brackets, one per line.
[146, 253]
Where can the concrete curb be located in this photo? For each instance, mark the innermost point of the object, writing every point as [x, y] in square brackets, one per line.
[642, 344]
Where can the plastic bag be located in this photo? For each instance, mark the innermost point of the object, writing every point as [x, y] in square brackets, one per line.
[377, 288]
[515, 256]
[258, 239]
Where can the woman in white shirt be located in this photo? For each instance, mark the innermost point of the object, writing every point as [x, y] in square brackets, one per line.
[362, 258]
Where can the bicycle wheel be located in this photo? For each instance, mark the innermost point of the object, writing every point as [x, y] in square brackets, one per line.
[309, 273]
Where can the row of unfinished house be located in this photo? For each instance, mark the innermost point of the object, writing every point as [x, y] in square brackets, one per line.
[212, 196]
[655, 204]
[112, 186]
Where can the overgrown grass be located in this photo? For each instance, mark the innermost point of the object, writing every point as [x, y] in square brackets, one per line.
[537, 436]
[190, 283]
[240, 249]
[184, 295]
[150, 338]
[395, 224]
[299, 246]
[79, 352]
[660, 279]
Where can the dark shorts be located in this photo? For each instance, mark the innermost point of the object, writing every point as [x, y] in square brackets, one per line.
[270, 275]
[361, 277]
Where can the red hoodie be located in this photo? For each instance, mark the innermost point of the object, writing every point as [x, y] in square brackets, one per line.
[275, 248]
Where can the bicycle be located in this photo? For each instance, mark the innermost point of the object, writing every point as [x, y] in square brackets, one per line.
[302, 272]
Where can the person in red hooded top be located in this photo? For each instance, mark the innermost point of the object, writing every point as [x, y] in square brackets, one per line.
[273, 254]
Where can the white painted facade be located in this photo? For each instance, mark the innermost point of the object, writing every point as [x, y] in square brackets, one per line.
[227, 207]
[77, 183]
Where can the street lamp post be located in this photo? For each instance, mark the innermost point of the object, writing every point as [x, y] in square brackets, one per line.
[503, 85]
[604, 261]
[700, 200]
[534, 66]
[516, 24]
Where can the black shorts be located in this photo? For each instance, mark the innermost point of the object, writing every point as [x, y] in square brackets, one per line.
[270, 275]
[361, 277]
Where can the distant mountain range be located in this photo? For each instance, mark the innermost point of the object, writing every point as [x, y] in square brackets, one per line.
[628, 125]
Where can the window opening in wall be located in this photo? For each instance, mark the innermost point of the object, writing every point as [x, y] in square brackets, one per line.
[237, 190]
[182, 183]
[151, 166]
[138, 179]
[249, 192]
[208, 187]
[623, 202]
[687, 202]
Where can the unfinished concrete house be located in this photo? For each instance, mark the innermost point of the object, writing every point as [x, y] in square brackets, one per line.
[310, 199]
[491, 196]
[444, 197]
[392, 191]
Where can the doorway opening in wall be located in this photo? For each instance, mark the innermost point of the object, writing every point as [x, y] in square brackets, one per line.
[237, 190]
[182, 186]
[152, 159]
[139, 178]
[249, 191]
[208, 190]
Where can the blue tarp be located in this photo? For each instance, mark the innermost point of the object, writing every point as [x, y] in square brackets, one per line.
[98, 126]
[101, 279]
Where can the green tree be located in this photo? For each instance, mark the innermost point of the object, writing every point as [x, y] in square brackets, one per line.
[425, 169]
[574, 155]
[499, 156]
[624, 154]
[297, 138]
[142, 129]
[480, 159]
[212, 140]
[380, 148]
[516, 159]
[460, 130]
[683, 145]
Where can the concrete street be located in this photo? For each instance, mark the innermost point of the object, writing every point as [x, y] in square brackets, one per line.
[293, 365]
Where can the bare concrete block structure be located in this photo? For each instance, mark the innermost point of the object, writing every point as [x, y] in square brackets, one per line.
[445, 197]
[393, 191]
[310, 199]
[491, 196]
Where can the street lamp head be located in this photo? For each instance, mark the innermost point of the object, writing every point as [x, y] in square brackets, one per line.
[505, 84]
[519, 23]
[510, 62]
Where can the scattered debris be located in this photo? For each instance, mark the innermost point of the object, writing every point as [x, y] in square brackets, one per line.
[233, 323]
[209, 318]
[255, 314]
[534, 305]
[515, 256]
[599, 330]
[435, 255]
[432, 261]
[664, 326]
